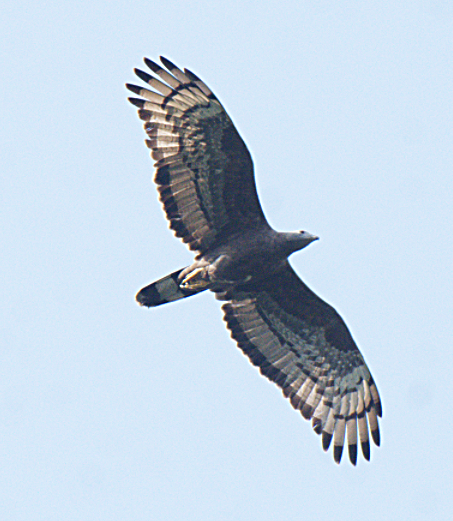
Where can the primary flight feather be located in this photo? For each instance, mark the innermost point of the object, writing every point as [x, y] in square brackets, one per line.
[204, 174]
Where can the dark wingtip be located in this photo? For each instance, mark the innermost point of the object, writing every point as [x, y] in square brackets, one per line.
[378, 407]
[145, 115]
[143, 75]
[133, 88]
[167, 63]
[366, 450]
[152, 65]
[337, 452]
[137, 102]
[326, 439]
[376, 437]
[192, 76]
[317, 425]
[353, 454]
[307, 411]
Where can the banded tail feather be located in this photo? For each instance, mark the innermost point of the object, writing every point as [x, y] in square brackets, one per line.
[166, 289]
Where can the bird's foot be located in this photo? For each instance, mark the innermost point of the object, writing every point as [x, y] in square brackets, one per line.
[196, 279]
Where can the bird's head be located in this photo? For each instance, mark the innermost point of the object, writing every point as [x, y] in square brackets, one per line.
[300, 239]
[306, 237]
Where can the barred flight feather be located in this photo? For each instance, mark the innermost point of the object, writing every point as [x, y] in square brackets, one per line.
[182, 118]
[329, 385]
[205, 179]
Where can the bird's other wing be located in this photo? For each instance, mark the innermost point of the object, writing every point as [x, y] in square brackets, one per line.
[301, 343]
[204, 171]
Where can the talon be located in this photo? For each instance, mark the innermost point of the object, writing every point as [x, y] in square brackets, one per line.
[195, 280]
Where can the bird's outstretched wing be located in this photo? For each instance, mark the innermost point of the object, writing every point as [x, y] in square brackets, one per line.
[204, 171]
[301, 343]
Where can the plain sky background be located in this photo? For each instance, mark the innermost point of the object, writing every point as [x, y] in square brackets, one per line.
[113, 412]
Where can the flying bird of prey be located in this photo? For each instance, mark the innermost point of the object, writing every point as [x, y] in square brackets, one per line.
[205, 179]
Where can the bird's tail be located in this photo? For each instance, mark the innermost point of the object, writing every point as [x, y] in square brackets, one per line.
[167, 289]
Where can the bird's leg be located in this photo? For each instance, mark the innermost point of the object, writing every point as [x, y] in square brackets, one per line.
[196, 279]
[206, 276]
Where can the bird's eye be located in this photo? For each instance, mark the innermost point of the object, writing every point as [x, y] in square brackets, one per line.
[302, 231]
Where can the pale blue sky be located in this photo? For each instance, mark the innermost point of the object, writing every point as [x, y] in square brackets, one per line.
[113, 412]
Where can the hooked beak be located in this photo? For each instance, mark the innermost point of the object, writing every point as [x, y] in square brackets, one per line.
[310, 237]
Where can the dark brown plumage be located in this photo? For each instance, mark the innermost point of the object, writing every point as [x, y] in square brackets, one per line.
[205, 179]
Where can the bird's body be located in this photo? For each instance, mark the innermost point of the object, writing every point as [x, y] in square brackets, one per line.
[205, 178]
[245, 260]
[256, 254]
